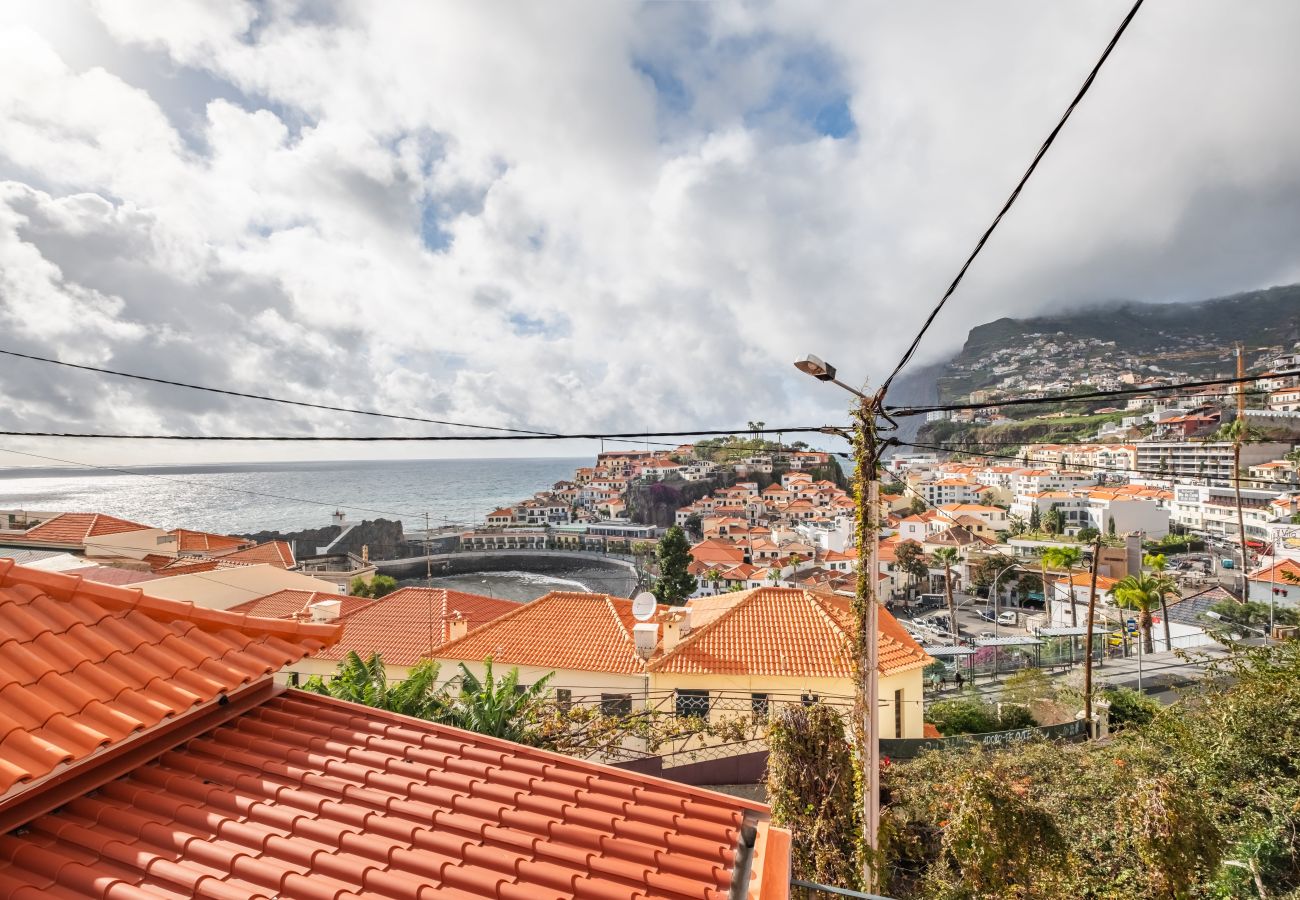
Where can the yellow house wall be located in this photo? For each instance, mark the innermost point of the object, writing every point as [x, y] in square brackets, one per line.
[730, 694]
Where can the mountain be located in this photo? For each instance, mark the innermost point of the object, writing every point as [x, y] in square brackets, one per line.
[1101, 342]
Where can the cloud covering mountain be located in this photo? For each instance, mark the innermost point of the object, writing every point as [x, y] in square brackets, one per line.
[582, 216]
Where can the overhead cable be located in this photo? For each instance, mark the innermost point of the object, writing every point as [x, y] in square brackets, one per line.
[1042, 151]
[382, 438]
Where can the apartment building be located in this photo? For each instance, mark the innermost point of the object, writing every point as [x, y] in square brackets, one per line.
[1209, 460]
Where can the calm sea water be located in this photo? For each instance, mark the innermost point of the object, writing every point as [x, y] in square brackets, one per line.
[248, 497]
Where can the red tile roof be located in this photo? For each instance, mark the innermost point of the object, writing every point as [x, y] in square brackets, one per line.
[275, 553]
[203, 542]
[111, 575]
[73, 529]
[408, 625]
[784, 631]
[288, 604]
[306, 796]
[84, 665]
[562, 630]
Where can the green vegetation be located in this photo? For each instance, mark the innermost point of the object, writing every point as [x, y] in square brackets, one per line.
[674, 583]
[969, 714]
[1000, 438]
[378, 586]
[1198, 799]
[813, 791]
[366, 681]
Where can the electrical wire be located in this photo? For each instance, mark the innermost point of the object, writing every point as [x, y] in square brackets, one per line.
[381, 438]
[1087, 395]
[1042, 151]
[302, 403]
[1075, 466]
[216, 487]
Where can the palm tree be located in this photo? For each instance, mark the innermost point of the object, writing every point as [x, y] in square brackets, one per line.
[366, 681]
[1016, 525]
[1238, 432]
[947, 557]
[1156, 562]
[497, 707]
[1145, 593]
[1064, 558]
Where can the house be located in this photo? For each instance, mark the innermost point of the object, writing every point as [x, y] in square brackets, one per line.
[222, 588]
[72, 531]
[752, 648]
[147, 751]
[404, 627]
[1270, 584]
[1285, 400]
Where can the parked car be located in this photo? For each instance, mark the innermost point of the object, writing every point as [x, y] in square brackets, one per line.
[985, 635]
[985, 614]
[1007, 618]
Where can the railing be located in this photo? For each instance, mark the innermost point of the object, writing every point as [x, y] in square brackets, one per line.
[834, 891]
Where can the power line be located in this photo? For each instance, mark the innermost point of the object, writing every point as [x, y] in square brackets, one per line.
[1086, 395]
[247, 396]
[380, 438]
[1155, 473]
[73, 462]
[1042, 151]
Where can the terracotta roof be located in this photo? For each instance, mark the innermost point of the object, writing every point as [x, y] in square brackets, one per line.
[562, 630]
[85, 665]
[783, 631]
[275, 553]
[73, 528]
[287, 604]
[412, 623]
[111, 575]
[1277, 571]
[203, 542]
[306, 796]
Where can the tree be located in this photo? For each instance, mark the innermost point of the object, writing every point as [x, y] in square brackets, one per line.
[948, 557]
[917, 507]
[1087, 534]
[1145, 593]
[378, 586]
[1065, 558]
[1054, 521]
[366, 681]
[1016, 525]
[1035, 519]
[675, 582]
[1110, 525]
[1238, 432]
[498, 707]
[1156, 562]
[910, 558]
[695, 526]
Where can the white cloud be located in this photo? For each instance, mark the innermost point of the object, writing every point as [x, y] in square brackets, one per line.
[605, 216]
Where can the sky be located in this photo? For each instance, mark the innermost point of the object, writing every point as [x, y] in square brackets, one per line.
[577, 217]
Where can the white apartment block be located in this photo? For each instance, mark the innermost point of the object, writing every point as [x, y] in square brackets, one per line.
[1213, 511]
[1211, 460]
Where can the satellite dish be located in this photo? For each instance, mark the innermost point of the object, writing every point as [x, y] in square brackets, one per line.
[643, 606]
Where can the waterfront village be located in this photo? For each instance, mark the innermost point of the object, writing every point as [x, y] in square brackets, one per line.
[985, 569]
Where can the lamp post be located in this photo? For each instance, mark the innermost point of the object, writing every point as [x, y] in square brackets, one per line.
[866, 656]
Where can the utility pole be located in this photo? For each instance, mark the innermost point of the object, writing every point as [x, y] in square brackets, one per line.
[866, 613]
[1239, 434]
[428, 553]
[1087, 640]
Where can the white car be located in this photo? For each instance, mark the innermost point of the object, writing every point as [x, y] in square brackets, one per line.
[1007, 618]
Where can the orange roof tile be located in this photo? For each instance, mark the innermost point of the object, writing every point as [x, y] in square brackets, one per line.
[275, 553]
[288, 604]
[784, 631]
[203, 542]
[1277, 571]
[73, 529]
[86, 665]
[307, 796]
[413, 623]
[562, 630]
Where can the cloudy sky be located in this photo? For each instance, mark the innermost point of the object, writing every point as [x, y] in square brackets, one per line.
[595, 216]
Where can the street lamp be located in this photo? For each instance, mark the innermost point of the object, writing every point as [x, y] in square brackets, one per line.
[866, 657]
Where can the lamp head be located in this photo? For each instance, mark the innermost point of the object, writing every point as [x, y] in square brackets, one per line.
[816, 367]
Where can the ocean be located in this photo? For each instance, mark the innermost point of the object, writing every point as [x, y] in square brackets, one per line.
[239, 498]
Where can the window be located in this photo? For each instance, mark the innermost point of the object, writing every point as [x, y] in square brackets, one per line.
[898, 714]
[693, 703]
[564, 699]
[758, 703]
[616, 704]
[808, 699]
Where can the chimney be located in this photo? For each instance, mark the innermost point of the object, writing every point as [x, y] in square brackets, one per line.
[677, 625]
[325, 610]
[646, 636]
[458, 627]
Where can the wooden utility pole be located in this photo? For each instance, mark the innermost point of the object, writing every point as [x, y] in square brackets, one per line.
[1087, 641]
[1239, 435]
[866, 718]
